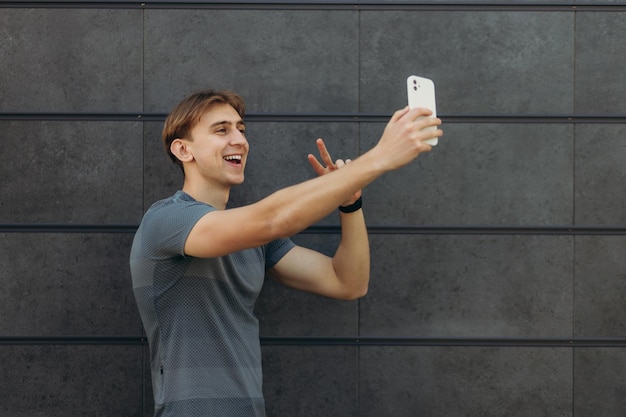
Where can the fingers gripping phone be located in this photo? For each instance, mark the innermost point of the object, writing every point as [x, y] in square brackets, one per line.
[421, 93]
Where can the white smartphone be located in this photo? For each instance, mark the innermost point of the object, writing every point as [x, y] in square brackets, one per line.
[421, 93]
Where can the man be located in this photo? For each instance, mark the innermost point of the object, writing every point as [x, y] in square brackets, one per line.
[198, 267]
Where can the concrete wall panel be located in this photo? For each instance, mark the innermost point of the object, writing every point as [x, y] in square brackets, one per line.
[480, 174]
[599, 380]
[469, 286]
[600, 59]
[600, 286]
[64, 172]
[482, 62]
[311, 381]
[474, 381]
[67, 284]
[71, 60]
[600, 175]
[61, 381]
[280, 60]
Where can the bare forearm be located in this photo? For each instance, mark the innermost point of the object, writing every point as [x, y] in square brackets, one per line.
[352, 258]
[294, 208]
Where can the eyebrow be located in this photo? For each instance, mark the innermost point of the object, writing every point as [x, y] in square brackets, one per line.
[227, 122]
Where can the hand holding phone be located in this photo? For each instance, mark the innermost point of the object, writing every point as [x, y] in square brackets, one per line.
[421, 93]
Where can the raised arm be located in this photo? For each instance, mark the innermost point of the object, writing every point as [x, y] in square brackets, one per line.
[292, 209]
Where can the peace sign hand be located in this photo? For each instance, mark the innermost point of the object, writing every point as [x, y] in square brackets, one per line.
[329, 167]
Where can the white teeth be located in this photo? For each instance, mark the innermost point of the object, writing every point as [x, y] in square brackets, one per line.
[232, 157]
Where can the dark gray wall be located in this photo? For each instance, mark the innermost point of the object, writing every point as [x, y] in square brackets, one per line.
[498, 277]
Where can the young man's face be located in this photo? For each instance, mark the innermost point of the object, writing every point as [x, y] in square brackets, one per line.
[219, 145]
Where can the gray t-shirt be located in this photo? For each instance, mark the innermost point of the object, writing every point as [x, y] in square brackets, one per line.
[198, 315]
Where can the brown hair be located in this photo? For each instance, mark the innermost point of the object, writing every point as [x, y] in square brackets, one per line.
[188, 112]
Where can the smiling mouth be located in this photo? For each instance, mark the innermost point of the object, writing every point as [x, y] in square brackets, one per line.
[234, 159]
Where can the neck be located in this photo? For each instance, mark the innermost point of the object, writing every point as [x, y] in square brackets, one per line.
[212, 196]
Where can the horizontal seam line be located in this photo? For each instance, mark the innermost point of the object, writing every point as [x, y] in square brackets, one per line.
[341, 341]
[323, 117]
[326, 5]
[336, 229]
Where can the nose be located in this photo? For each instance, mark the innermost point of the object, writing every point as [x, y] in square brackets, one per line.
[238, 138]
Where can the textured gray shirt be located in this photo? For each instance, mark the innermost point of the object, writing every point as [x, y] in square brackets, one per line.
[198, 315]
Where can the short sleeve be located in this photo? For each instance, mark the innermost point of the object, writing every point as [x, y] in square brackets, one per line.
[166, 226]
[275, 250]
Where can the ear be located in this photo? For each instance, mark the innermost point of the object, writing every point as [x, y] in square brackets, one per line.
[181, 150]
